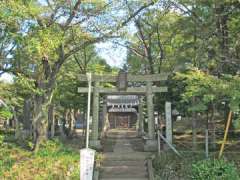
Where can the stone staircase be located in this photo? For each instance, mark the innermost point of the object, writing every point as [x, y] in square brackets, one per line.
[124, 163]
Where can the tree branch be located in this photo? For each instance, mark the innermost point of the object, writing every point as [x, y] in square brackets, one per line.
[133, 15]
[74, 12]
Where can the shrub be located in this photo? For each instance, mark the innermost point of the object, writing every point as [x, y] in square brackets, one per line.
[170, 166]
[216, 169]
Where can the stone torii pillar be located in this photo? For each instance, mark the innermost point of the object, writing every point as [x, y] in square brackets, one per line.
[104, 118]
[140, 117]
[150, 110]
[94, 141]
[151, 143]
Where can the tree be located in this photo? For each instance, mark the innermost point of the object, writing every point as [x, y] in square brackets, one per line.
[48, 34]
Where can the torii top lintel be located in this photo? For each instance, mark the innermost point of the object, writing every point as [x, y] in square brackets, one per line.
[130, 78]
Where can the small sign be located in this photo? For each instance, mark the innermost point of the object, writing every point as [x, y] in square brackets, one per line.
[86, 163]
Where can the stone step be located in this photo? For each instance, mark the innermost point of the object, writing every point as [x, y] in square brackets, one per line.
[123, 178]
[140, 175]
[112, 136]
[141, 163]
[123, 175]
[126, 156]
[123, 171]
[122, 135]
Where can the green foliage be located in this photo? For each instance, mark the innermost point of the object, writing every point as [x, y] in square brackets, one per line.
[169, 166]
[193, 166]
[5, 113]
[27, 86]
[216, 169]
[200, 86]
[202, 89]
[1, 139]
[6, 161]
[54, 148]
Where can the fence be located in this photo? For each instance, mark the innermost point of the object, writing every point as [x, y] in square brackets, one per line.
[207, 142]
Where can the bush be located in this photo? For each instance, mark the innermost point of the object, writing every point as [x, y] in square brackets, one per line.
[216, 169]
[170, 166]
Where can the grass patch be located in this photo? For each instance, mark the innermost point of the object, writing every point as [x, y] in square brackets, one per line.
[54, 160]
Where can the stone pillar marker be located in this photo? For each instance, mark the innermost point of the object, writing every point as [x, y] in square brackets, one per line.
[168, 116]
[94, 142]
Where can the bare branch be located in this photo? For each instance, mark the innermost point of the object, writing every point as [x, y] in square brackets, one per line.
[131, 48]
[74, 12]
[133, 15]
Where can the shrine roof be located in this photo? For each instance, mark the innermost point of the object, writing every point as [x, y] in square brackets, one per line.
[131, 100]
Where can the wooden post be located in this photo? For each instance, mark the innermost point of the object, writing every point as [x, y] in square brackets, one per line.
[168, 114]
[206, 143]
[225, 133]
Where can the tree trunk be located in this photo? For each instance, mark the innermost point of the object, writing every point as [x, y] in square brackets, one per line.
[222, 32]
[40, 121]
[63, 124]
[213, 128]
[51, 120]
[17, 124]
[27, 114]
[72, 122]
[66, 121]
[45, 81]
[61, 128]
[194, 131]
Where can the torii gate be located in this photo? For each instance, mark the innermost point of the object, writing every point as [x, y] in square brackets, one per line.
[122, 89]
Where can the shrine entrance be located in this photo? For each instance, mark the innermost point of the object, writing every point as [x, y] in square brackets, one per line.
[122, 120]
[125, 101]
[122, 111]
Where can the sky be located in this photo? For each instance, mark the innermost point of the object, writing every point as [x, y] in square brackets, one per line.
[114, 56]
[6, 78]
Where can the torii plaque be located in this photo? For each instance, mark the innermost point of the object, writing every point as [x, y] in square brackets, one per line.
[122, 81]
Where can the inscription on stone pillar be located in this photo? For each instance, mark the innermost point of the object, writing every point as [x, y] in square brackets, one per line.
[122, 81]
